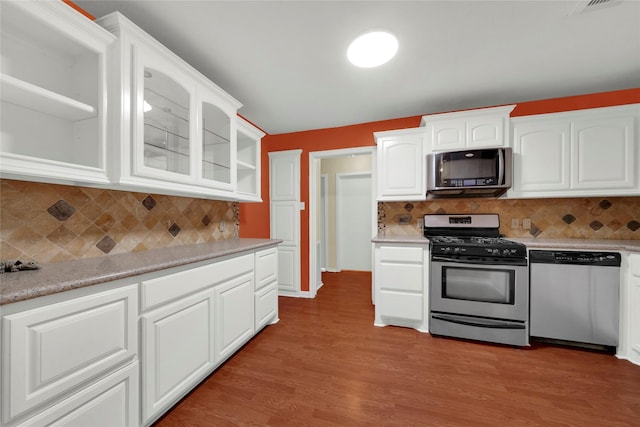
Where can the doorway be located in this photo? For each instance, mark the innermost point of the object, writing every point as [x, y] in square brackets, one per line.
[323, 236]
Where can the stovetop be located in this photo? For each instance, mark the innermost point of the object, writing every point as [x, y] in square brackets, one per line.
[475, 235]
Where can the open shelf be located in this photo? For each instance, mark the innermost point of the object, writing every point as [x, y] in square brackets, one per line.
[30, 96]
[245, 165]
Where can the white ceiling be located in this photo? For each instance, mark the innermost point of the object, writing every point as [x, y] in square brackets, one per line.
[286, 60]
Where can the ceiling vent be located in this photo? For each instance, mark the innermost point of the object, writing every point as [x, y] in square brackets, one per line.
[591, 5]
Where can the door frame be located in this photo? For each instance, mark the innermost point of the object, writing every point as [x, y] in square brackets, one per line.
[314, 172]
[324, 205]
[339, 176]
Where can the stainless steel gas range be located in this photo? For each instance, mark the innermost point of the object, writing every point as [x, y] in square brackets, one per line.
[479, 281]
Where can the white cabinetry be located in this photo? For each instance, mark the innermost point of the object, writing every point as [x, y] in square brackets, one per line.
[401, 165]
[248, 161]
[579, 153]
[56, 348]
[630, 309]
[53, 83]
[266, 291]
[401, 285]
[206, 300]
[175, 131]
[487, 127]
[234, 314]
[177, 350]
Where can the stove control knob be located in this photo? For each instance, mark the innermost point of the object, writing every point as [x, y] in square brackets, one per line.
[506, 252]
[495, 252]
[447, 250]
[456, 250]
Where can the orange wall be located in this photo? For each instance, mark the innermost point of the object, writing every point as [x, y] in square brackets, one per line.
[254, 217]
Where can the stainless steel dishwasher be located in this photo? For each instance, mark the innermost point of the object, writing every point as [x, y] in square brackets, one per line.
[575, 297]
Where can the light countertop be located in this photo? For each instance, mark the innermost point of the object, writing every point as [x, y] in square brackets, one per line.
[63, 276]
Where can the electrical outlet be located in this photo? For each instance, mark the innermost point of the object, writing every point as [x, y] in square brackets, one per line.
[515, 223]
[222, 225]
[419, 224]
[526, 223]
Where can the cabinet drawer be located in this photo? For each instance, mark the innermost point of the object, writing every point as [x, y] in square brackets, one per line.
[266, 304]
[266, 267]
[52, 349]
[401, 305]
[112, 401]
[406, 277]
[175, 285]
[409, 254]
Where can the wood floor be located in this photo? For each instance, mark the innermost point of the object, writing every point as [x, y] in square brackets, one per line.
[325, 364]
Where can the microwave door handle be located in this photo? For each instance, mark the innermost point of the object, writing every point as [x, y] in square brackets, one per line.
[500, 167]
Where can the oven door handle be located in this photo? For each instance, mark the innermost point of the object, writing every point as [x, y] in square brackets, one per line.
[481, 260]
[479, 322]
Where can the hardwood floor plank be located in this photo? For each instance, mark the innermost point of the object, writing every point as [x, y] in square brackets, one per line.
[325, 364]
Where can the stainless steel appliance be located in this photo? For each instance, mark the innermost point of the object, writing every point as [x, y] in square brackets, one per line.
[479, 282]
[575, 297]
[470, 173]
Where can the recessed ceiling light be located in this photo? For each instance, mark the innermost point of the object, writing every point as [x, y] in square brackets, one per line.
[372, 49]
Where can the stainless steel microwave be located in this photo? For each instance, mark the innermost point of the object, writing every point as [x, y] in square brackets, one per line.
[485, 172]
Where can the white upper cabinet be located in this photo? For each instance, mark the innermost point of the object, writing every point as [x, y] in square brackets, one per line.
[52, 87]
[541, 155]
[605, 151]
[175, 131]
[401, 165]
[248, 161]
[487, 127]
[579, 153]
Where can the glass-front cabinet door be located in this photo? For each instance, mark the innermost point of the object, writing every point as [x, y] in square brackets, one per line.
[166, 123]
[216, 145]
[163, 145]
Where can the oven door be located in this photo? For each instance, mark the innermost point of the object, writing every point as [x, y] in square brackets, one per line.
[484, 287]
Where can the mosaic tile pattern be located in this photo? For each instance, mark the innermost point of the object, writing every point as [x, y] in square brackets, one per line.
[615, 218]
[51, 223]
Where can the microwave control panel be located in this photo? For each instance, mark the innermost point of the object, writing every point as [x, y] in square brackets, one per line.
[469, 182]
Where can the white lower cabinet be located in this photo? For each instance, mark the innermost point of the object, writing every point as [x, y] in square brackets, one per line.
[630, 309]
[401, 285]
[266, 288]
[71, 359]
[54, 347]
[177, 350]
[234, 314]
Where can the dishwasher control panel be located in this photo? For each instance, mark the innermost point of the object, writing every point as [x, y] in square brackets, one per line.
[612, 259]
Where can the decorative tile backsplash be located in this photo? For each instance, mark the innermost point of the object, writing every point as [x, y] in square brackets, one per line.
[51, 223]
[582, 218]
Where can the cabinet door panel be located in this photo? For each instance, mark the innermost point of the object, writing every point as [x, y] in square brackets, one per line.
[633, 306]
[448, 135]
[177, 350]
[100, 329]
[603, 153]
[400, 305]
[266, 300]
[541, 156]
[163, 118]
[112, 401]
[234, 313]
[485, 132]
[401, 166]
